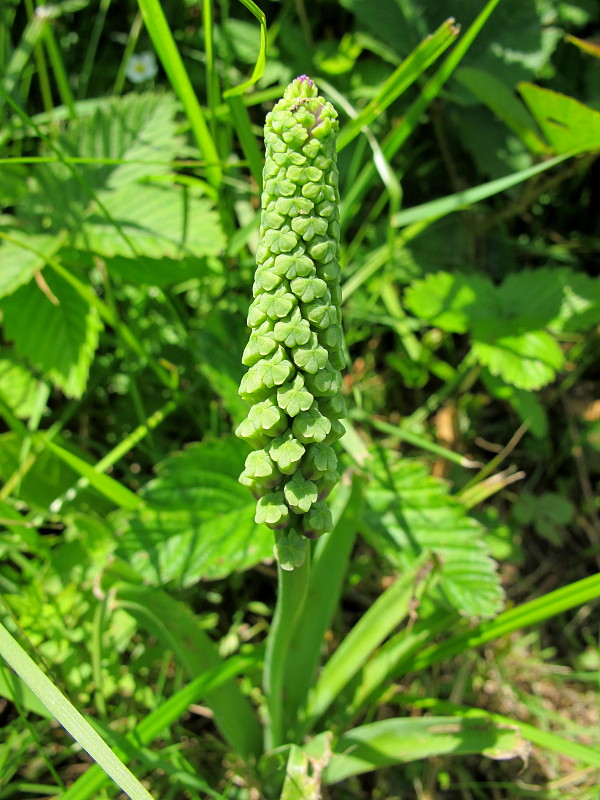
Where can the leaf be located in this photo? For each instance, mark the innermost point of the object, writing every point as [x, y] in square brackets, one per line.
[199, 523]
[47, 478]
[409, 512]
[18, 387]
[500, 99]
[525, 403]
[527, 361]
[20, 263]
[580, 306]
[401, 740]
[567, 124]
[451, 302]
[156, 221]
[58, 338]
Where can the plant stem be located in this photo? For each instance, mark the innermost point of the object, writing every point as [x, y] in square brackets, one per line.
[291, 597]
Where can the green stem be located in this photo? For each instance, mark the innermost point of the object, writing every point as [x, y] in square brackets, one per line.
[291, 597]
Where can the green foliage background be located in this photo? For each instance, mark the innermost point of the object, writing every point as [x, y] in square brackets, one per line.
[128, 228]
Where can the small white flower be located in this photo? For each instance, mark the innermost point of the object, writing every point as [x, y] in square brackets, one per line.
[141, 67]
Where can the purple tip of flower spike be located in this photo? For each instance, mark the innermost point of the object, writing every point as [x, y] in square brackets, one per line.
[305, 78]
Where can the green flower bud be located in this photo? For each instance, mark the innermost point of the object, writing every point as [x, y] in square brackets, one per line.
[295, 349]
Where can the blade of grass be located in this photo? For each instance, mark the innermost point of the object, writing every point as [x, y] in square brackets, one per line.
[400, 80]
[430, 91]
[436, 209]
[68, 716]
[386, 613]
[107, 486]
[243, 127]
[60, 74]
[166, 49]
[261, 59]
[92, 48]
[550, 741]
[330, 561]
[18, 61]
[176, 627]
[531, 613]
[162, 718]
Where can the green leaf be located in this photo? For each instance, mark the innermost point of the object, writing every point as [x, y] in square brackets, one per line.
[199, 522]
[401, 740]
[156, 220]
[580, 306]
[410, 512]
[57, 333]
[567, 124]
[451, 302]
[528, 361]
[20, 263]
[500, 99]
[525, 403]
[18, 387]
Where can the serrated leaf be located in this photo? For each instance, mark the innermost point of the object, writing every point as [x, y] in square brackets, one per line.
[19, 264]
[567, 124]
[527, 361]
[580, 306]
[18, 387]
[410, 512]
[59, 338]
[156, 221]
[200, 520]
[451, 302]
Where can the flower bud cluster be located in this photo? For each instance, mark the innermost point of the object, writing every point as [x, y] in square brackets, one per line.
[295, 350]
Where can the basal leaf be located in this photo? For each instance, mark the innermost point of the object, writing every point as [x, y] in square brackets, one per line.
[400, 740]
[199, 522]
[410, 512]
[567, 124]
[57, 333]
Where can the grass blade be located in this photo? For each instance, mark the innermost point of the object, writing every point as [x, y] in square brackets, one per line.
[430, 91]
[261, 59]
[166, 49]
[68, 716]
[399, 81]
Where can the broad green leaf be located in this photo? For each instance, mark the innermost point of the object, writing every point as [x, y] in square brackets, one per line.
[450, 301]
[156, 220]
[409, 512]
[500, 99]
[161, 271]
[57, 334]
[398, 741]
[18, 387]
[528, 360]
[567, 124]
[199, 521]
[19, 264]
